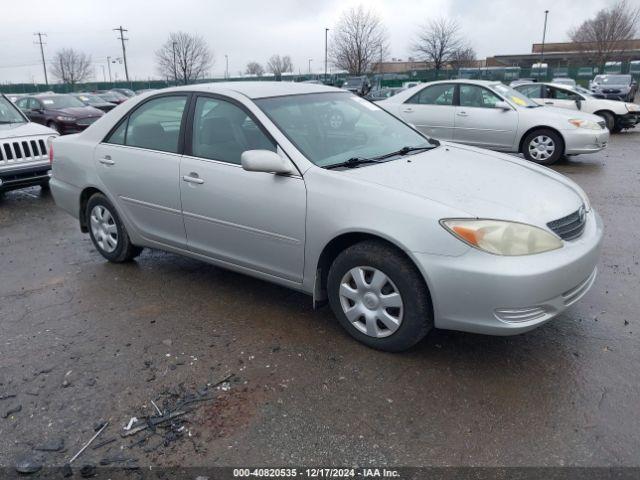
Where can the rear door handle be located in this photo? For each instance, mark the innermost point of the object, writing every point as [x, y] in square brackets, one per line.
[106, 160]
[462, 114]
[193, 178]
[408, 110]
[548, 103]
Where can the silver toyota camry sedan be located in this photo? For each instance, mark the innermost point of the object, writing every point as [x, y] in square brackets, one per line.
[319, 190]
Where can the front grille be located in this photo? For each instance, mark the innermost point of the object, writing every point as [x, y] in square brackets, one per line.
[571, 226]
[87, 121]
[22, 151]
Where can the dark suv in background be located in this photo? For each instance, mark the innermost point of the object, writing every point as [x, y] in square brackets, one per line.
[358, 85]
[62, 113]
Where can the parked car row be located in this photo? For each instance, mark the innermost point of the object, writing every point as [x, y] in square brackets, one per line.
[399, 232]
[495, 116]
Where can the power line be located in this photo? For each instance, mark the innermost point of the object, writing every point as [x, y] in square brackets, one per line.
[44, 65]
[124, 51]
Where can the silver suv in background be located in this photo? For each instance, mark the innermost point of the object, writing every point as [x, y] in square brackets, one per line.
[24, 150]
[615, 87]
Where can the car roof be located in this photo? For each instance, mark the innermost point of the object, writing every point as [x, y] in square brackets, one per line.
[256, 90]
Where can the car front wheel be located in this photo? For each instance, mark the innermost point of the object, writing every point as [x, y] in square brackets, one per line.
[379, 297]
[543, 146]
[107, 231]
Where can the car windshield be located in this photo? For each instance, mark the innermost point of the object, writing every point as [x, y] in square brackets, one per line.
[617, 79]
[90, 99]
[353, 82]
[60, 101]
[9, 113]
[331, 128]
[514, 96]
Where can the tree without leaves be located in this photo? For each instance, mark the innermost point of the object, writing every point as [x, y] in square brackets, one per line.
[438, 41]
[359, 41]
[254, 68]
[193, 58]
[605, 35]
[463, 57]
[279, 65]
[71, 66]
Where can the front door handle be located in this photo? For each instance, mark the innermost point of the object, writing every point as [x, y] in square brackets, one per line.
[462, 114]
[193, 178]
[106, 160]
[408, 110]
[548, 103]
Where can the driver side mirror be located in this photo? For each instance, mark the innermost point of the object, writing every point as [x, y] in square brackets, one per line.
[579, 103]
[265, 161]
[502, 105]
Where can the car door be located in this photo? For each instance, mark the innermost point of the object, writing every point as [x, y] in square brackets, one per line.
[139, 164]
[431, 110]
[250, 219]
[479, 122]
[560, 97]
[37, 111]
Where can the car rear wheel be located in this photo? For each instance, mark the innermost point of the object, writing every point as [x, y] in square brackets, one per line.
[543, 146]
[379, 297]
[107, 231]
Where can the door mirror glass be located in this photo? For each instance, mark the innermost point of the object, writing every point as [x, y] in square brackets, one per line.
[264, 161]
[502, 105]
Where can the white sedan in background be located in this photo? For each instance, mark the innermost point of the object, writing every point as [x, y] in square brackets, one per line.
[495, 116]
[617, 115]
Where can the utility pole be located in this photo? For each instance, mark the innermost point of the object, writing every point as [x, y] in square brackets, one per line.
[124, 50]
[544, 37]
[310, 60]
[326, 32]
[104, 75]
[109, 67]
[175, 70]
[226, 71]
[44, 64]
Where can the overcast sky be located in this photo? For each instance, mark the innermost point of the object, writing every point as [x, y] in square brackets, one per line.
[249, 30]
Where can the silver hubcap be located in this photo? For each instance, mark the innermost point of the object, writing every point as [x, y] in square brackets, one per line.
[104, 229]
[542, 147]
[371, 301]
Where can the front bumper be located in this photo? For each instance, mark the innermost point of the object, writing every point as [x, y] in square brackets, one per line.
[629, 120]
[24, 176]
[582, 140]
[497, 295]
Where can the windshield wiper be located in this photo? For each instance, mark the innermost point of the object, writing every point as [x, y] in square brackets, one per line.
[353, 162]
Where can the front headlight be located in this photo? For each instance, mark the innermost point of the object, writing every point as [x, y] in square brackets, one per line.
[501, 237]
[632, 107]
[64, 118]
[588, 124]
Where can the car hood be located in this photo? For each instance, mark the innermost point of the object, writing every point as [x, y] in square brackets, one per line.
[479, 183]
[561, 115]
[29, 129]
[78, 112]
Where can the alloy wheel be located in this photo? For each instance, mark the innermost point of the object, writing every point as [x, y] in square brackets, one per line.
[104, 229]
[371, 301]
[542, 147]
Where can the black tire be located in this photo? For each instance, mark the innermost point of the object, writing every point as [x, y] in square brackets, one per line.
[124, 250]
[609, 120]
[417, 316]
[543, 132]
[54, 126]
[44, 186]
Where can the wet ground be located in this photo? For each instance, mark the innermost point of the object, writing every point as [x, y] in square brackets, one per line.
[82, 340]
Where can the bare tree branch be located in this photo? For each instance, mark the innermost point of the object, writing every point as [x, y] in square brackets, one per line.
[359, 41]
[184, 57]
[71, 66]
[463, 57]
[607, 33]
[438, 41]
[279, 65]
[254, 68]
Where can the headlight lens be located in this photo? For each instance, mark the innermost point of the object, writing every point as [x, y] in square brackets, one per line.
[632, 107]
[501, 237]
[64, 118]
[588, 124]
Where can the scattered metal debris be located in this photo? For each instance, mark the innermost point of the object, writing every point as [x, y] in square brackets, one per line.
[88, 443]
